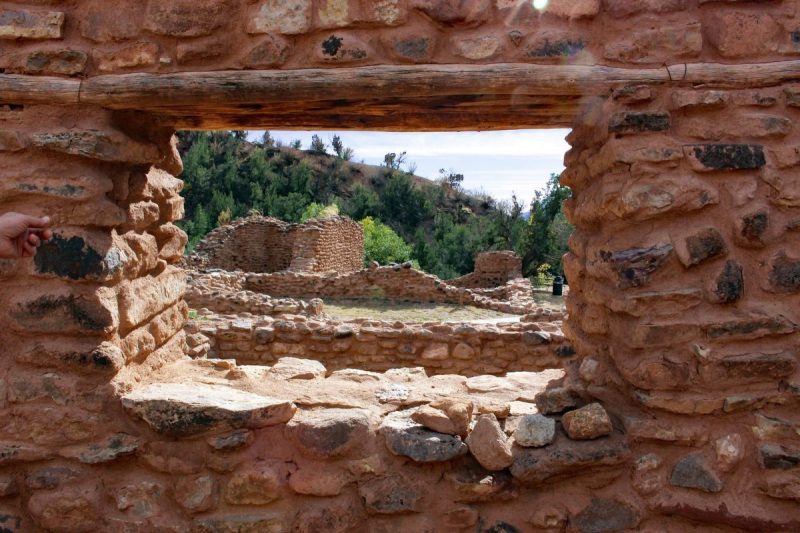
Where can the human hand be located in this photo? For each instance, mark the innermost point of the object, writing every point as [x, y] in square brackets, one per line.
[21, 235]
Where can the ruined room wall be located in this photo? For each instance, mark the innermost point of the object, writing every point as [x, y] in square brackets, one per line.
[465, 349]
[222, 292]
[252, 244]
[401, 283]
[492, 269]
[331, 244]
[265, 244]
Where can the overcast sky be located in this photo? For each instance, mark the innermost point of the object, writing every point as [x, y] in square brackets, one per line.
[499, 162]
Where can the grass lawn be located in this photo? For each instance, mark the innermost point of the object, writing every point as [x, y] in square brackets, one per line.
[408, 311]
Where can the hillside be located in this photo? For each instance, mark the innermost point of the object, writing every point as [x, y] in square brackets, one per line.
[226, 177]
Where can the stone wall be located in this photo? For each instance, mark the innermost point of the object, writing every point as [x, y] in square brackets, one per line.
[222, 293]
[397, 282]
[683, 302]
[466, 349]
[683, 307]
[264, 244]
[492, 269]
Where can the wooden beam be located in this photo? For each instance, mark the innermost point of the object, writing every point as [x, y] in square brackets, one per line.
[21, 89]
[203, 89]
[430, 121]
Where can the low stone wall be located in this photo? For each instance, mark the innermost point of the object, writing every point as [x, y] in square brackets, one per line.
[466, 349]
[221, 292]
[393, 283]
[214, 447]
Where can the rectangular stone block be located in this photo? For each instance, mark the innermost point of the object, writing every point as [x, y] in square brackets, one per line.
[104, 146]
[635, 122]
[771, 366]
[89, 355]
[711, 157]
[11, 141]
[145, 297]
[187, 18]
[658, 44]
[288, 17]
[22, 24]
[61, 309]
[60, 62]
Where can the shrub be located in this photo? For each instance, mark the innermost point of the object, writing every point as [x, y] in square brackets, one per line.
[382, 244]
[315, 210]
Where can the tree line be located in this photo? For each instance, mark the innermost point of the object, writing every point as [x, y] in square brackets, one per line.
[436, 224]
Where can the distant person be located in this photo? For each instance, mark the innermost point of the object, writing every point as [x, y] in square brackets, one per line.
[21, 235]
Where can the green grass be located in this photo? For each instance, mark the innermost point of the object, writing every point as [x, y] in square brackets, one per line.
[408, 311]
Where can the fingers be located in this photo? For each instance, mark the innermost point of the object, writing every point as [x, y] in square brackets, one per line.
[36, 222]
[33, 240]
[28, 249]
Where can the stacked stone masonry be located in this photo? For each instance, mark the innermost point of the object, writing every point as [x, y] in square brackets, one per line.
[222, 292]
[464, 349]
[263, 244]
[683, 271]
[397, 282]
[492, 269]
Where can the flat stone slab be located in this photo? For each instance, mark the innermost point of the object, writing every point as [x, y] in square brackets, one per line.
[405, 437]
[181, 410]
[566, 458]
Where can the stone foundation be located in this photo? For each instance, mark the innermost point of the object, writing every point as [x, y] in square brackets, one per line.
[466, 349]
[222, 292]
[397, 282]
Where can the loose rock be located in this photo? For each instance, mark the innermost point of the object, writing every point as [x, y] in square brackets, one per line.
[446, 416]
[588, 422]
[489, 445]
[534, 431]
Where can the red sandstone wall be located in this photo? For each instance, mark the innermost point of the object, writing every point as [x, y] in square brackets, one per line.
[683, 273]
[94, 38]
[254, 244]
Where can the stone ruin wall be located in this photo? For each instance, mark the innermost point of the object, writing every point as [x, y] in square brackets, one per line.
[492, 269]
[252, 244]
[265, 244]
[683, 274]
[223, 292]
[334, 244]
[465, 349]
[399, 282]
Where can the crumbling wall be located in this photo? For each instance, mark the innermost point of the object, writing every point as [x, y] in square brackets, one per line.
[465, 349]
[223, 293]
[252, 244]
[265, 244]
[492, 269]
[401, 283]
[332, 244]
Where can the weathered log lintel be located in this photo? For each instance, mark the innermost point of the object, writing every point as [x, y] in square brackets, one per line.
[184, 98]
